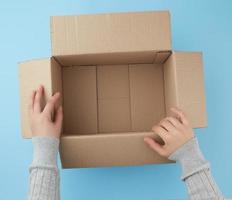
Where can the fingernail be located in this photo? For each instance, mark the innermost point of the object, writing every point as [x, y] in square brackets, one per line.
[40, 88]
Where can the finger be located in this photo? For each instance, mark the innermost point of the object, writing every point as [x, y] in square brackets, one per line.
[31, 102]
[155, 146]
[37, 100]
[57, 102]
[161, 132]
[167, 125]
[173, 121]
[59, 117]
[50, 106]
[180, 115]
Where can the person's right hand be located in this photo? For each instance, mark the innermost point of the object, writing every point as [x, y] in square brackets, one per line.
[45, 121]
[174, 131]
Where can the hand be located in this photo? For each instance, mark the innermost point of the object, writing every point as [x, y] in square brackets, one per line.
[45, 121]
[174, 131]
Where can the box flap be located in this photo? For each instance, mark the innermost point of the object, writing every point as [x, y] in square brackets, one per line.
[184, 86]
[110, 33]
[105, 150]
[32, 74]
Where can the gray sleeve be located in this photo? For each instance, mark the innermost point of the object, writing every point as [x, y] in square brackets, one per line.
[196, 172]
[44, 173]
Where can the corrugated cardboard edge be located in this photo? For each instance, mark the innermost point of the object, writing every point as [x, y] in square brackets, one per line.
[115, 58]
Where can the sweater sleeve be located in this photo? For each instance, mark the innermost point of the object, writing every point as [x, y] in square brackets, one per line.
[196, 172]
[44, 173]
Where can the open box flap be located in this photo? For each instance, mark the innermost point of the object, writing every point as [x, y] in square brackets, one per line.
[33, 73]
[184, 86]
[102, 150]
[110, 33]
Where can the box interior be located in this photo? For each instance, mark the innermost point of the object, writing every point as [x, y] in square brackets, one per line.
[113, 98]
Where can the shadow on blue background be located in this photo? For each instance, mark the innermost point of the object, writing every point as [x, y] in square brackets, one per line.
[196, 25]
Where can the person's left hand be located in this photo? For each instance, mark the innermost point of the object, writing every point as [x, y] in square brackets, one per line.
[45, 121]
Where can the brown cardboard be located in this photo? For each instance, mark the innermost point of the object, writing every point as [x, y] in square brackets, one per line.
[113, 98]
[184, 81]
[110, 33]
[80, 99]
[114, 58]
[106, 150]
[147, 95]
[117, 76]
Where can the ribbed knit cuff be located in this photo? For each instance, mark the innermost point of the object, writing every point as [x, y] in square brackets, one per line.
[190, 158]
[45, 150]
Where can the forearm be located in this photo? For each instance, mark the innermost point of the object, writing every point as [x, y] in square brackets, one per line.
[44, 174]
[196, 172]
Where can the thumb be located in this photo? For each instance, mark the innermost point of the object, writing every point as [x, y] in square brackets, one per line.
[155, 146]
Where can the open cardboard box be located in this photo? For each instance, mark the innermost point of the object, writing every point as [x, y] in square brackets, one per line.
[118, 76]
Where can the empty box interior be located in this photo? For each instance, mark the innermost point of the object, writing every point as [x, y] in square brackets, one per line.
[112, 98]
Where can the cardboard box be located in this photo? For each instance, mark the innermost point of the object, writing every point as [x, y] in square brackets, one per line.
[118, 76]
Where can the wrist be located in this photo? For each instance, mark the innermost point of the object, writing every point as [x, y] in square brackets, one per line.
[190, 157]
[45, 150]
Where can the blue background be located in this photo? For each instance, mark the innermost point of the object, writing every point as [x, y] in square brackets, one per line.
[204, 25]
